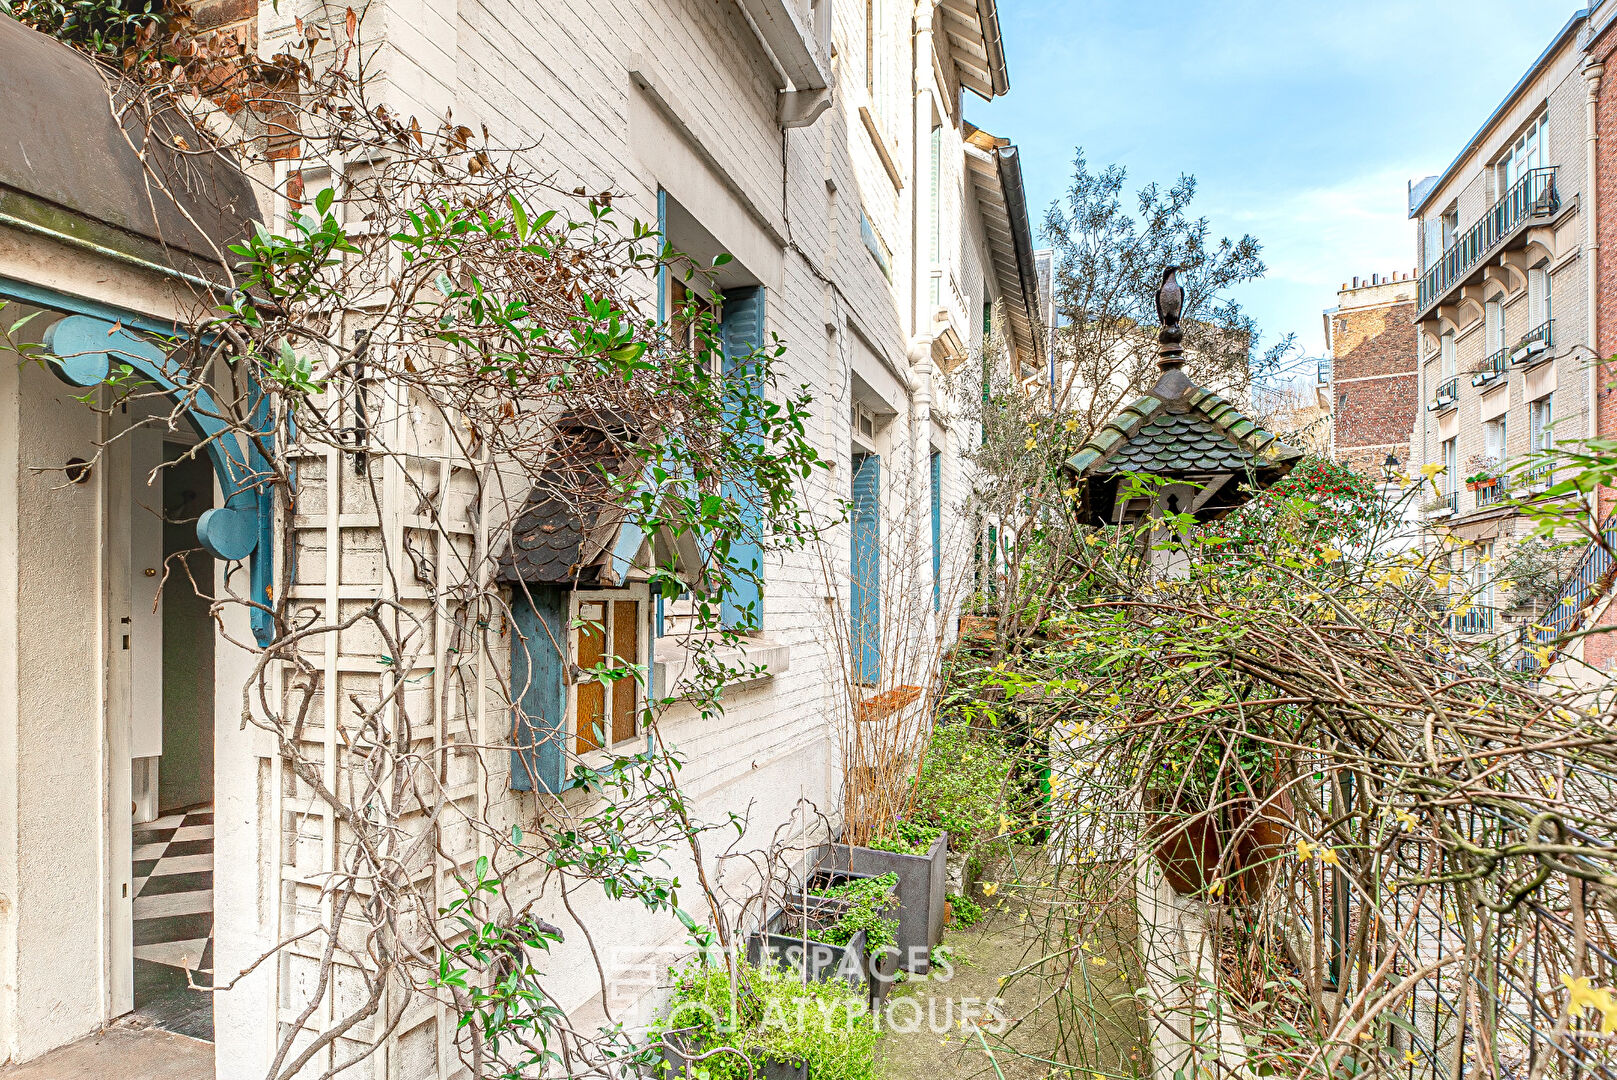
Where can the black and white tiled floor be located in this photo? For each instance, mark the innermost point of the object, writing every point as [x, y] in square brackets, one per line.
[173, 887]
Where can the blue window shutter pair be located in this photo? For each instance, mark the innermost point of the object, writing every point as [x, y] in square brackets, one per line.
[865, 556]
[538, 674]
[937, 530]
[742, 332]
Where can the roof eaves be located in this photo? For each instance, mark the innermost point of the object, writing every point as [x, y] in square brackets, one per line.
[1010, 175]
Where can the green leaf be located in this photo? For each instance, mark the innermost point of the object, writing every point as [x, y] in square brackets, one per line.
[324, 200]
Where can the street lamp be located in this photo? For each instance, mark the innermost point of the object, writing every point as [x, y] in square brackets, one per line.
[1389, 468]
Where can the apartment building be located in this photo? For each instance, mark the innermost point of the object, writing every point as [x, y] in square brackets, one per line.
[1372, 380]
[1504, 308]
[880, 235]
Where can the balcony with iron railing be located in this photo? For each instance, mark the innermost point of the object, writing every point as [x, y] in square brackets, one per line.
[1447, 395]
[1492, 492]
[1444, 504]
[1492, 369]
[1533, 197]
[1472, 619]
[1535, 345]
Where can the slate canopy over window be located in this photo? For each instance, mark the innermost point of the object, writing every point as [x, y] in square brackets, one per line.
[580, 598]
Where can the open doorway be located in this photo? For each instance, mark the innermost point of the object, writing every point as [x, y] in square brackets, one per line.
[171, 650]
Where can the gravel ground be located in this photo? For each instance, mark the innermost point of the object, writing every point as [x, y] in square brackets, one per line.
[933, 1023]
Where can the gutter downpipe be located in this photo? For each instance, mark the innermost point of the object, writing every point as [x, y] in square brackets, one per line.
[1592, 245]
[919, 376]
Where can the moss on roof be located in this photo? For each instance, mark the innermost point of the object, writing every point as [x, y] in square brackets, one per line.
[1198, 432]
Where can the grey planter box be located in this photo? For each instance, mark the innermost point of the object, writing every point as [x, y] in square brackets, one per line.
[782, 943]
[881, 966]
[922, 881]
[679, 1066]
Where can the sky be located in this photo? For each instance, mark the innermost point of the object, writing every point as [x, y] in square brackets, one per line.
[1302, 120]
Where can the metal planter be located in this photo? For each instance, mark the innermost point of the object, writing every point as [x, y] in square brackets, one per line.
[922, 882]
[783, 942]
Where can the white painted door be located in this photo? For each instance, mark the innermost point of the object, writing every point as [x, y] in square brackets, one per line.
[145, 626]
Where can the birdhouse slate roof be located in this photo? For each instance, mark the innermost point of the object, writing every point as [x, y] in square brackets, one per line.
[569, 518]
[1195, 432]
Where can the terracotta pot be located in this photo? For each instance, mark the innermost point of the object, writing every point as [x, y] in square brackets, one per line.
[1188, 850]
[1192, 847]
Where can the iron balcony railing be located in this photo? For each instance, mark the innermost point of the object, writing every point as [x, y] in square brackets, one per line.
[1535, 345]
[1533, 196]
[1448, 394]
[1476, 619]
[1492, 368]
[1493, 492]
[1539, 474]
[1543, 634]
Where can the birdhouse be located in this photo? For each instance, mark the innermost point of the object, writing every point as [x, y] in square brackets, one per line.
[1179, 449]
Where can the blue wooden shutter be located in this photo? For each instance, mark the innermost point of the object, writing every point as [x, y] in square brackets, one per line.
[937, 530]
[865, 557]
[538, 673]
[742, 331]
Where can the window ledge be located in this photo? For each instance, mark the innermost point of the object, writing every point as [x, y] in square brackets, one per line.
[675, 665]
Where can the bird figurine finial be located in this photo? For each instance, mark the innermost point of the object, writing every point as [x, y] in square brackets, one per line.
[1170, 305]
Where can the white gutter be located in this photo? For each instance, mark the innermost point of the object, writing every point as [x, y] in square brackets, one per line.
[1590, 204]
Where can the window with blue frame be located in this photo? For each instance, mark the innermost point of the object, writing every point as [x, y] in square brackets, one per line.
[578, 667]
[865, 569]
[937, 531]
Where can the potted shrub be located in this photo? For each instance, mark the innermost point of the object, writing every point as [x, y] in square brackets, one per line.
[861, 902]
[1209, 827]
[916, 854]
[766, 1025]
[814, 941]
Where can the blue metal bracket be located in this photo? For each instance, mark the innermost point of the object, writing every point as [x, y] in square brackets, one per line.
[84, 349]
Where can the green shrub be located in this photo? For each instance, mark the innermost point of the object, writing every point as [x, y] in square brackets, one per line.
[968, 786]
[867, 899]
[826, 1024]
[966, 911]
[907, 838]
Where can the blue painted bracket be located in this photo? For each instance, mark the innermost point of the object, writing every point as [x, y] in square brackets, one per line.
[85, 347]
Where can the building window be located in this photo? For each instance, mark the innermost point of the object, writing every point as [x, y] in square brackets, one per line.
[1539, 306]
[1451, 467]
[1481, 581]
[1531, 151]
[1447, 350]
[875, 245]
[1493, 439]
[690, 331]
[1540, 415]
[879, 61]
[606, 636]
[577, 664]
[1495, 327]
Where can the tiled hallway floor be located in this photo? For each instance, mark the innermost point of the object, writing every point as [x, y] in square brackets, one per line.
[173, 871]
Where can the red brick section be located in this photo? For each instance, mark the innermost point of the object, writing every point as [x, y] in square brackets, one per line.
[1600, 650]
[1374, 383]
